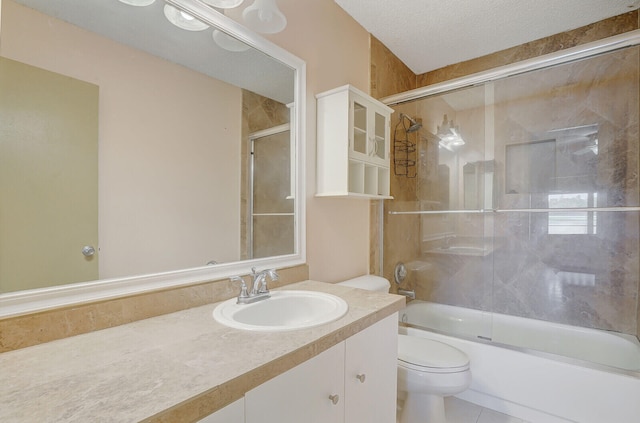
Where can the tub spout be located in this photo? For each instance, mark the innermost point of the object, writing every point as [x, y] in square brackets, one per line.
[411, 294]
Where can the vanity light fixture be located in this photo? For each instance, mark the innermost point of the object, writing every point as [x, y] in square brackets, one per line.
[138, 2]
[183, 20]
[228, 42]
[264, 16]
[224, 4]
[449, 134]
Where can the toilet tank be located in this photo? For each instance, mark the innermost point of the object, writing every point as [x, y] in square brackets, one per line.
[368, 282]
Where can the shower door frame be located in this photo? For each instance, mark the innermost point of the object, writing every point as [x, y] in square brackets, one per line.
[605, 45]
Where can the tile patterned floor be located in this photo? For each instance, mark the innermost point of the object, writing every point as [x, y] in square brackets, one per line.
[459, 411]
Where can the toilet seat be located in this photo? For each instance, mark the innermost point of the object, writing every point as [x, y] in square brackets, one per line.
[426, 355]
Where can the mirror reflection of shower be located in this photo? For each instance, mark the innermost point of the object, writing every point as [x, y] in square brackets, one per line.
[271, 221]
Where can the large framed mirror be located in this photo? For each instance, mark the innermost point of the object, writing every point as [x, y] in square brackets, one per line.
[127, 147]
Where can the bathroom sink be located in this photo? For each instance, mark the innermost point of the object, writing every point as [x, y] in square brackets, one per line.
[283, 311]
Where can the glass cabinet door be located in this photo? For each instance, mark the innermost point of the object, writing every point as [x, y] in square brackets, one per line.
[359, 128]
[380, 144]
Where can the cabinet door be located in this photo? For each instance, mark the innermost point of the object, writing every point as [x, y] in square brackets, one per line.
[370, 373]
[369, 131]
[379, 134]
[360, 139]
[232, 413]
[303, 393]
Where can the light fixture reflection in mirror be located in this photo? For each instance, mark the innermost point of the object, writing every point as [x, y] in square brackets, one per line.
[183, 20]
[229, 43]
[138, 2]
[265, 17]
[223, 4]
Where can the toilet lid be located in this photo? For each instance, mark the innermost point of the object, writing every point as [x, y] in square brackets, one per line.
[429, 355]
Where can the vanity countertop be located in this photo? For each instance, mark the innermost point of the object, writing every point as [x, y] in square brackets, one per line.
[171, 368]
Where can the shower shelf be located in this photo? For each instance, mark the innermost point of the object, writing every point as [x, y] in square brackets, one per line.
[487, 211]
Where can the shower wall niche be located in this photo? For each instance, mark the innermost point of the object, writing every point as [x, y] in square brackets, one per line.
[534, 212]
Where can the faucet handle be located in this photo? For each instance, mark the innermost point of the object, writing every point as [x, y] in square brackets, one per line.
[273, 274]
[243, 287]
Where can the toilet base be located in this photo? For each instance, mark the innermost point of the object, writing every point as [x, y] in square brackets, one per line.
[423, 408]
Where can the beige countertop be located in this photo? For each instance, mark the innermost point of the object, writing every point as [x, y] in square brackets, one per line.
[172, 368]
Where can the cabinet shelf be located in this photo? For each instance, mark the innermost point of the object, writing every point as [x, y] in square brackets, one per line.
[353, 145]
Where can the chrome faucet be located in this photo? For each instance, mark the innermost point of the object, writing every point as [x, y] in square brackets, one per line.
[259, 290]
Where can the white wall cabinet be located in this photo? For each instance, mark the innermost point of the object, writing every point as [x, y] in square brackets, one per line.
[353, 149]
[353, 381]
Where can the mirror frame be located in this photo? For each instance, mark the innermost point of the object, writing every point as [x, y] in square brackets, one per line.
[35, 300]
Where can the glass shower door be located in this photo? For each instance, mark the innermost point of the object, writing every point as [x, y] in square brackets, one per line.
[567, 139]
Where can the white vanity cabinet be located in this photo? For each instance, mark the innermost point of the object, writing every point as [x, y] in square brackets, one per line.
[232, 413]
[353, 144]
[306, 393]
[370, 380]
[351, 382]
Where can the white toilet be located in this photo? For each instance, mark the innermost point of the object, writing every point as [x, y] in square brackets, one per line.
[428, 370]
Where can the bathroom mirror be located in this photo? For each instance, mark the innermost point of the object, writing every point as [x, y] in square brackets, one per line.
[163, 195]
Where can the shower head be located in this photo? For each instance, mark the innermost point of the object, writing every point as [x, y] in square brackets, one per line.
[414, 125]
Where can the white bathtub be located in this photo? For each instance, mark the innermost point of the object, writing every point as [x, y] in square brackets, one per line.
[535, 386]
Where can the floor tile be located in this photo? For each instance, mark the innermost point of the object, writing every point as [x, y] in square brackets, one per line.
[459, 411]
[490, 416]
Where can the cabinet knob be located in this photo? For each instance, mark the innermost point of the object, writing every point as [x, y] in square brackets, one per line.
[361, 377]
[334, 399]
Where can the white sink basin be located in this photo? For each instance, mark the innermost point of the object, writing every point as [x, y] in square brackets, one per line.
[285, 310]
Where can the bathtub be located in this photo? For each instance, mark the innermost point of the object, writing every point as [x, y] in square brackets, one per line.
[535, 370]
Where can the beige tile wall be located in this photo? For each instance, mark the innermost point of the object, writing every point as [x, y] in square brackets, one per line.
[388, 76]
[596, 31]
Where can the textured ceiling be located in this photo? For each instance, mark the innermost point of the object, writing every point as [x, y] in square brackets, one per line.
[430, 34]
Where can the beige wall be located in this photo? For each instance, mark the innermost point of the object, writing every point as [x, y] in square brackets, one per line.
[336, 50]
[156, 158]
